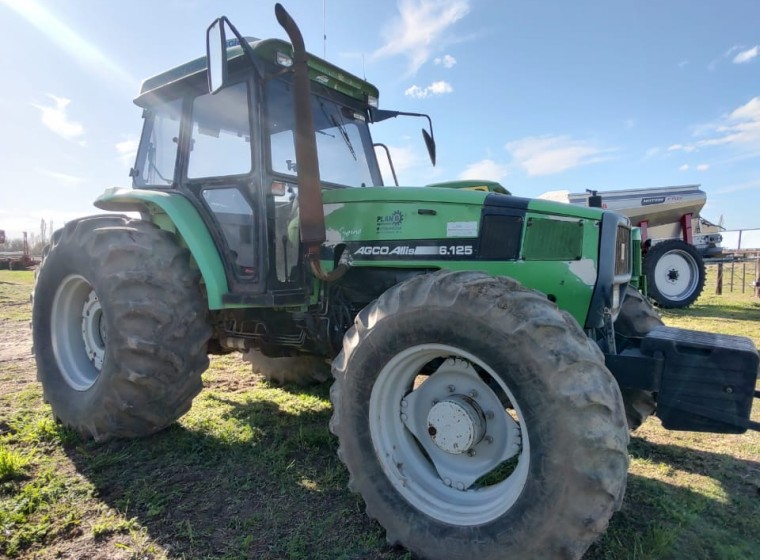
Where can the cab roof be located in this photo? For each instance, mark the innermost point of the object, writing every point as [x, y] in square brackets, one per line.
[266, 50]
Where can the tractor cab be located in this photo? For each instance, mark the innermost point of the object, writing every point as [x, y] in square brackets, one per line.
[232, 154]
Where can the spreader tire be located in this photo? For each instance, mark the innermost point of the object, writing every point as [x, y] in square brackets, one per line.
[120, 328]
[478, 421]
[675, 273]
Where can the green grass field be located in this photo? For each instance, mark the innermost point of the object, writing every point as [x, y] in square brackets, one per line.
[251, 472]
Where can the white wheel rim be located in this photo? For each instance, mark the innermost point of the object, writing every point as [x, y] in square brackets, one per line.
[676, 275]
[78, 332]
[452, 487]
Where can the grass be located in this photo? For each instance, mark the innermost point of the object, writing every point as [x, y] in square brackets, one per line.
[251, 472]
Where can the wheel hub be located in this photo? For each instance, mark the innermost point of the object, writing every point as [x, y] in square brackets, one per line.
[456, 424]
[78, 333]
[93, 330]
[673, 275]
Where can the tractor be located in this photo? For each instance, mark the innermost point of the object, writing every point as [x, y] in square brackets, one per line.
[489, 352]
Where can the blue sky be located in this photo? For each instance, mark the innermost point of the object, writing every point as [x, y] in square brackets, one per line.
[540, 95]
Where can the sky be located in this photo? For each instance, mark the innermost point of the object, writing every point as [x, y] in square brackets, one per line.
[540, 95]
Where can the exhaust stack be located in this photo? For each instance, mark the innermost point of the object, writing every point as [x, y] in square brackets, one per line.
[311, 212]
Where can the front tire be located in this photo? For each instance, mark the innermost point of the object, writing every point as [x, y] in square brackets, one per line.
[119, 326]
[636, 318]
[675, 273]
[478, 421]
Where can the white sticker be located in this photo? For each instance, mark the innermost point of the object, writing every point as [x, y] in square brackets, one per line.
[462, 229]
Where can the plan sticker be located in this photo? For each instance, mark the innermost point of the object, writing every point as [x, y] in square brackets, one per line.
[462, 229]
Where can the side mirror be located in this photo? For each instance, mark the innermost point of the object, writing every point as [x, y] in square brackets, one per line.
[430, 143]
[216, 55]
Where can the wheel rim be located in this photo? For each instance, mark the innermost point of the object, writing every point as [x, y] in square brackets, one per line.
[676, 275]
[448, 444]
[78, 332]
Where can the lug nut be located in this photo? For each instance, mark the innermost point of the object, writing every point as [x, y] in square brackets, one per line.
[451, 388]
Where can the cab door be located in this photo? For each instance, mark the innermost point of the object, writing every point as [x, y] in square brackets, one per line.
[220, 170]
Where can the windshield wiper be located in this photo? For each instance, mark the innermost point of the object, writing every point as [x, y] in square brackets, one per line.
[343, 134]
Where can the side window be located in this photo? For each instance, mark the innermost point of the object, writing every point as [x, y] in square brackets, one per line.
[235, 217]
[158, 148]
[221, 137]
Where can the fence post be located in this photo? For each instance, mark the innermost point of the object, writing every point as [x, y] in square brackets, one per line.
[757, 276]
[719, 285]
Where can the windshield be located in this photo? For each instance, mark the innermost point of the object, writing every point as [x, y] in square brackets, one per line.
[158, 147]
[346, 155]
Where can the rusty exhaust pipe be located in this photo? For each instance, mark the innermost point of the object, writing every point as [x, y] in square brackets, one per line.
[311, 212]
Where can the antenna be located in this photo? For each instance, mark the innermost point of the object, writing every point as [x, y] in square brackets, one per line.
[324, 29]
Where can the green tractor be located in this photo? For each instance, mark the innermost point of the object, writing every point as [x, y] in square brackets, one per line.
[490, 353]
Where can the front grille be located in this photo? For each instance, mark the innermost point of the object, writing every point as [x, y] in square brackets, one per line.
[623, 251]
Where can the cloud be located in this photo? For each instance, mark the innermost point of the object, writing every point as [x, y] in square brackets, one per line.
[486, 169]
[447, 61]
[683, 63]
[127, 150]
[55, 118]
[684, 167]
[740, 130]
[703, 167]
[404, 159]
[749, 185]
[421, 27]
[747, 55]
[629, 123]
[547, 155]
[436, 88]
[652, 152]
[681, 148]
[64, 179]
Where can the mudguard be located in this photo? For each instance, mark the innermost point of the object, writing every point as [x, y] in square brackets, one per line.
[173, 212]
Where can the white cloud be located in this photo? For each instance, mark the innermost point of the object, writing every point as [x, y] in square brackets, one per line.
[681, 148]
[652, 152]
[683, 63]
[127, 150]
[486, 169]
[739, 129]
[55, 118]
[750, 185]
[404, 159]
[436, 88]
[747, 55]
[684, 167]
[421, 27]
[703, 167]
[64, 178]
[547, 155]
[447, 61]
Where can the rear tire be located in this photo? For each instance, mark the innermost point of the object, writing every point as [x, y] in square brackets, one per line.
[298, 370]
[120, 328]
[446, 358]
[675, 273]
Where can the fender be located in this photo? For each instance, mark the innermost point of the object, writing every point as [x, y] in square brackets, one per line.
[172, 212]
